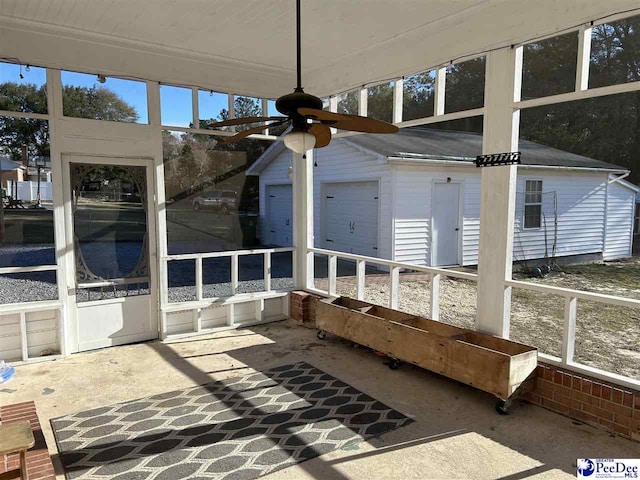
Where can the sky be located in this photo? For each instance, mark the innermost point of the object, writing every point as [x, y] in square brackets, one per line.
[175, 102]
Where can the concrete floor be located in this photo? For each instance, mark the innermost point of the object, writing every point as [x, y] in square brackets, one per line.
[456, 433]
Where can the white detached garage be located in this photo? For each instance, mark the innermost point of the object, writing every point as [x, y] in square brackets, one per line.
[415, 197]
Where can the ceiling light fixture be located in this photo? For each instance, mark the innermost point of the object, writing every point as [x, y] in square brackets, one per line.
[299, 141]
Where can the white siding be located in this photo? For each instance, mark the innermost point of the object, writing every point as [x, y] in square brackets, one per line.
[414, 190]
[620, 206]
[581, 203]
[405, 214]
[276, 173]
[338, 162]
[580, 214]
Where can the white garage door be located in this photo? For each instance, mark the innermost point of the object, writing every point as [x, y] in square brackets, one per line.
[279, 230]
[351, 217]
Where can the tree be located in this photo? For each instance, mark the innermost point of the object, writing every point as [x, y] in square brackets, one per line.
[95, 102]
[98, 103]
[85, 102]
[605, 128]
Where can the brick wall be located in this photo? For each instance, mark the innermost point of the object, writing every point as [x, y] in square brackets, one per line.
[302, 308]
[596, 402]
[39, 466]
[599, 403]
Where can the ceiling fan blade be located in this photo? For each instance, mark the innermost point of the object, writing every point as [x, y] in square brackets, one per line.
[246, 133]
[354, 123]
[243, 120]
[322, 134]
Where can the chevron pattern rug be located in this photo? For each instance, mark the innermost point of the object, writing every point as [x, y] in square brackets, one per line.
[240, 428]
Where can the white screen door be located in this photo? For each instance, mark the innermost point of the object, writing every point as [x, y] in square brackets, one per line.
[446, 224]
[112, 235]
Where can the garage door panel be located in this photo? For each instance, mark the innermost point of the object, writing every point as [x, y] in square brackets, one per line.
[279, 227]
[351, 217]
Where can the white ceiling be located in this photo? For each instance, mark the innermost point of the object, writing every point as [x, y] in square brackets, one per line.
[248, 46]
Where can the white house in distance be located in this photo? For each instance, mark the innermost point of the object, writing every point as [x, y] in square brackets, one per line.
[415, 197]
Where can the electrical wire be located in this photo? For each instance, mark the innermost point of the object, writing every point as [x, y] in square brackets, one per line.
[469, 56]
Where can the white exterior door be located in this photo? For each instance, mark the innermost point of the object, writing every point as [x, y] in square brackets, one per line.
[113, 288]
[351, 217]
[279, 228]
[446, 224]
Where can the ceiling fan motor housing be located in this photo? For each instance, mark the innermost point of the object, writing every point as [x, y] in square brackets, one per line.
[290, 103]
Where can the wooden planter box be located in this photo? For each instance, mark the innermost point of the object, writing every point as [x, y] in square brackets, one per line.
[492, 364]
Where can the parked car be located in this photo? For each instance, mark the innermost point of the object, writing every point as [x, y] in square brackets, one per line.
[222, 200]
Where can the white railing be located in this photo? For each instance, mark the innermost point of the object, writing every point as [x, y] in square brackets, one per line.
[235, 274]
[571, 298]
[570, 312]
[394, 277]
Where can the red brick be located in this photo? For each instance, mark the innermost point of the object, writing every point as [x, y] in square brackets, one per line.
[617, 395]
[577, 383]
[637, 401]
[616, 408]
[622, 430]
[586, 386]
[533, 398]
[546, 393]
[583, 416]
[627, 422]
[540, 371]
[557, 377]
[596, 389]
[548, 374]
[627, 401]
[555, 406]
[585, 398]
[606, 392]
[605, 423]
[568, 401]
[566, 380]
[598, 412]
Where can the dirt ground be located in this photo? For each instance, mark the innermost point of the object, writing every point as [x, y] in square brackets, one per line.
[607, 337]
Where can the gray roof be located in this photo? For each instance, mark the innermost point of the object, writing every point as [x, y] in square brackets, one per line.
[7, 164]
[462, 146]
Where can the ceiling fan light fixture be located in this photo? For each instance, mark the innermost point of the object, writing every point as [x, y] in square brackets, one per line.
[299, 141]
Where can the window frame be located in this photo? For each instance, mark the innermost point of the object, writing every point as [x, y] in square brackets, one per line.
[532, 204]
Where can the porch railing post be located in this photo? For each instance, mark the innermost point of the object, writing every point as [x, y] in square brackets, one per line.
[360, 279]
[303, 218]
[234, 274]
[199, 278]
[569, 332]
[333, 273]
[267, 271]
[394, 287]
[434, 312]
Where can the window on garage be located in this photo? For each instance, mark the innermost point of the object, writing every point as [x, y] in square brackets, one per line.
[533, 204]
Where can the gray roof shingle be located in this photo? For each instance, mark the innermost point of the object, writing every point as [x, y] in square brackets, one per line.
[464, 147]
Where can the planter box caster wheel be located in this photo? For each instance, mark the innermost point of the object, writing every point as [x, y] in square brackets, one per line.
[502, 407]
[394, 363]
[321, 334]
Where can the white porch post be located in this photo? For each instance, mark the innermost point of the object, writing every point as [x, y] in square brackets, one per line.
[303, 219]
[497, 203]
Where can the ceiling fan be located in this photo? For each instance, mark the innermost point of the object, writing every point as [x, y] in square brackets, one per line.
[310, 123]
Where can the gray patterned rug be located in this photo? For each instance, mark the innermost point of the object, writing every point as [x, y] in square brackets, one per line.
[239, 428]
